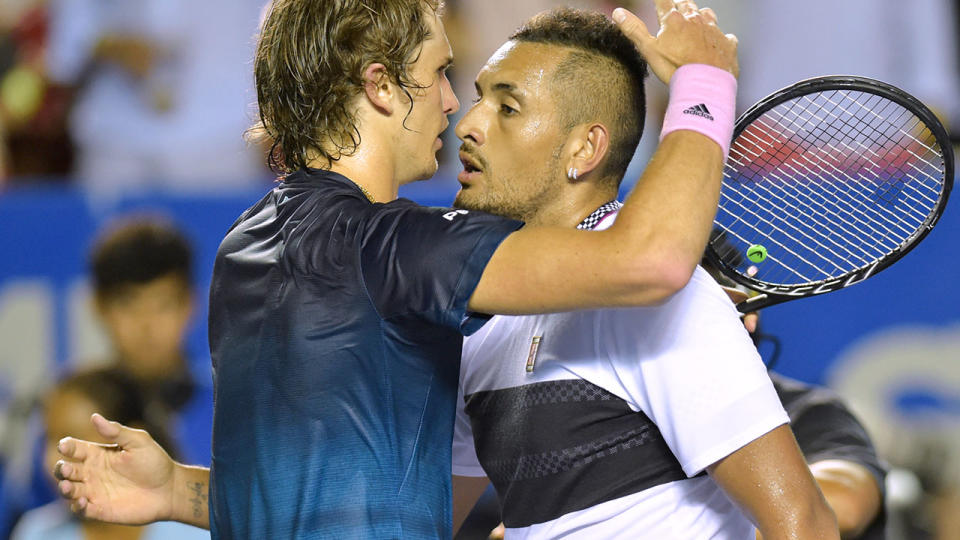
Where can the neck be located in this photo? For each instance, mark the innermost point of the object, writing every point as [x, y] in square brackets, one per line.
[369, 169]
[373, 165]
[572, 206]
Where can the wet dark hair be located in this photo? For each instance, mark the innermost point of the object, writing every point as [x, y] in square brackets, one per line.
[601, 79]
[309, 67]
[117, 397]
[136, 252]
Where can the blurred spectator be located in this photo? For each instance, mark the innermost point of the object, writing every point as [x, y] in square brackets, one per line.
[67, 411]
[164, 91]
[905, 384]
[141, 272]
[33, 139]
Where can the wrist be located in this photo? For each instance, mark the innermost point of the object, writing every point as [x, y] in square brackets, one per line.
[189, 495]
[702, 99]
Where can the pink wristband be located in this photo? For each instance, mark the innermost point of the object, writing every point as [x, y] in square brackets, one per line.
[702, 99]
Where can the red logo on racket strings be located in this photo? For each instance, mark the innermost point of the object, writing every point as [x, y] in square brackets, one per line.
[700, 110]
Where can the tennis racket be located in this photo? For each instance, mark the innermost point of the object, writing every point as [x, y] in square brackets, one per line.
[828, 182]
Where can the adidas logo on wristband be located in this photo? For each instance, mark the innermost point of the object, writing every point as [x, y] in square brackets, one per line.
[700, 110]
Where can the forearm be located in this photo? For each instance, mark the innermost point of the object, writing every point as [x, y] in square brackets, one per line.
[671, 209]
[191, 490]
[803, 519]
[772, 484]
[851, 491]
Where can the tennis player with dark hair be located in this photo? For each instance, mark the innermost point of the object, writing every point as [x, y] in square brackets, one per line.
[601, 423]
[336, 311]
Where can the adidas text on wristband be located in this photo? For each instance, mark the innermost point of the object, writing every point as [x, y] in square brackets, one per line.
[702, 99]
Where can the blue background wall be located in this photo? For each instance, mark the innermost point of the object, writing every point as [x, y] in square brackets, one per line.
[45, 235]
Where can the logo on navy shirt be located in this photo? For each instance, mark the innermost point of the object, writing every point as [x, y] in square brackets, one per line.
[454, 213]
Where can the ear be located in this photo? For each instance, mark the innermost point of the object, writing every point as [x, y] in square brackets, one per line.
[379, 88]
[588, 146]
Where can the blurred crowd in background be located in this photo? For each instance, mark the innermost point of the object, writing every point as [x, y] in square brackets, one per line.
[157, 93]
[113, 97]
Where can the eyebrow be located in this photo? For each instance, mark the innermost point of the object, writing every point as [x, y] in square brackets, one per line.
[507, 87]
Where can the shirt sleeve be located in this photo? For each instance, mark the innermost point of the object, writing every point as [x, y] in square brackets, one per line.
[425, 262]
[465, 460]
[692, 368]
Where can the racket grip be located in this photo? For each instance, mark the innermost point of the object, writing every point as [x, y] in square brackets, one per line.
[702, 99]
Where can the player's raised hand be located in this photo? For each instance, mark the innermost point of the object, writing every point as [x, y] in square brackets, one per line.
[687, 35]
[129, 482]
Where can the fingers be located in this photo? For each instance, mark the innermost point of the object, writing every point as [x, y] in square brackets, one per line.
[750, 321]
[124, 436]
[105, 427]
[80, 505]
[67, 471]
[633, 27]
[72, 449]
[687, 9]
[709, 15]
[664, 7]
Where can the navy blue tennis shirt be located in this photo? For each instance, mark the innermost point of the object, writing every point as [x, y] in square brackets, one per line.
[335, 332]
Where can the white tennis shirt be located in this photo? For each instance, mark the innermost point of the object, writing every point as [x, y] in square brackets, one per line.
[595, 424]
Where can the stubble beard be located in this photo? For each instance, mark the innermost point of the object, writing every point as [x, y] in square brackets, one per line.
[519, 204]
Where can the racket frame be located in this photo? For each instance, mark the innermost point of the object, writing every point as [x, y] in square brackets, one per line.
[769, 294]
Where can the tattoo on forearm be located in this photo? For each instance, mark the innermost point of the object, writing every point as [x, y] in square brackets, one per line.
[199, 499]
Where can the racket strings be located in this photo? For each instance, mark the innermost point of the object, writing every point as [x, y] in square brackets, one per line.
[854, 195]
[823, 166]
[818, 208]
[916, 122]
[796, 205]
[828, 183]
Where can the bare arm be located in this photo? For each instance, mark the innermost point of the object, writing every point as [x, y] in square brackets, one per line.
[851, 491]
[132, 481]
[660, 234]
[772, 484]
[466, 491]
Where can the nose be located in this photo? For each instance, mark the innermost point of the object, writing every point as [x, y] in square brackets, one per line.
[450, 102]
[468, 128]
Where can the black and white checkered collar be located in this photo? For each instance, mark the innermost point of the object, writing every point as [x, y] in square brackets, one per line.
[593, 219]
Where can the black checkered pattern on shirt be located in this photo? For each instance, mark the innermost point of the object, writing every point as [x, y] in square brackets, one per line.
[563, 392]
[591, 221]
